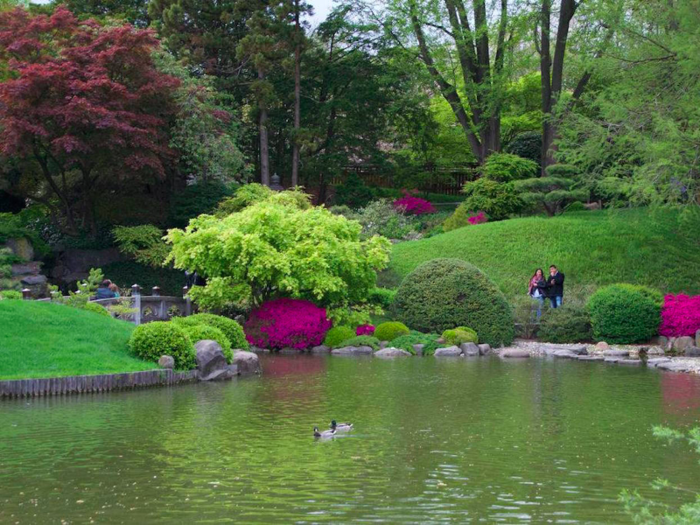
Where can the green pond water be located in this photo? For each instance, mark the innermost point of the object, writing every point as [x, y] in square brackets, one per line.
[461, 440]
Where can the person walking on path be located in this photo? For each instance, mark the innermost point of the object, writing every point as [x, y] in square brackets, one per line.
[555, 287]
[536, 289]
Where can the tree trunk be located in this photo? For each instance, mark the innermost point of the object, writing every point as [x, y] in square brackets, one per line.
[264, 142]
[297, 96]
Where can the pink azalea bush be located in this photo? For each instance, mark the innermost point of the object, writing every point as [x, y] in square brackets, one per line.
[287, 323]
[364, 329]
[680, 315]
[479, 218]
[413, 205]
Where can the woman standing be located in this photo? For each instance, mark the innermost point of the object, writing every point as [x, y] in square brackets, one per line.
[536, 289]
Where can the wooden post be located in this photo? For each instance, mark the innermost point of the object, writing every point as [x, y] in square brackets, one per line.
[27, 294]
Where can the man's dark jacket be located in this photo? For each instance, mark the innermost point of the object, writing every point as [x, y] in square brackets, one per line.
[555, 285]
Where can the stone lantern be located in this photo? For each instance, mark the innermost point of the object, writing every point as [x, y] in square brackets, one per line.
[275, 183]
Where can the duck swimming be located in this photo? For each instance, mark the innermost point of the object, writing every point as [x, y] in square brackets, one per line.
[341, 427]
[324, 434]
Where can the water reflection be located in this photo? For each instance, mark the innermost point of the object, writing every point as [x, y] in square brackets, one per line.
[435, 440]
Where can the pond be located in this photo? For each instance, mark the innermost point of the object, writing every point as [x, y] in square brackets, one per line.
[436, 440]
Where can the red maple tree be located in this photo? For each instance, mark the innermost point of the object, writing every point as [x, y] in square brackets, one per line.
[85, 103]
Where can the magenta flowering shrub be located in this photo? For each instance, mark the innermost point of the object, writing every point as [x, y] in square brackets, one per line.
[287, 323]
[413, 205]
[479, 218]
[680, 315]
[365, 329]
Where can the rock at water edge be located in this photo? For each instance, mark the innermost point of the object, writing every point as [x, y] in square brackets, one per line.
[579, 350]
[602, 346]
[616, 353]
[484, 349]
[418, 348]
[391, 352]
[321, 349]
[248, 363]
[450, 351]
[515, 353]
[166, 361]
[353, 350]
[210, 359]
[469, 349]
[681, 344]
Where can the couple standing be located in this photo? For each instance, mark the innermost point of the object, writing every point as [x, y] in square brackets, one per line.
[551, 287]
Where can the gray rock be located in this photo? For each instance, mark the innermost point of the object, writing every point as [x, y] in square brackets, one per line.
[388, 353]
[247, 363]
[655, 350]
[469, 349]
[660, 341]
[602, 346]
[166, 361]
[30, 268]
[681, 344]
[589, 358]
[514, 353]
[353, 350]
[450, 351]
[210, 360]
[34, 280]
[612, 359]
[259, 350]
[697, 338]
[579, 350]
[383, 344]
[692, 352]
[550, 350]
[673, 366]
[484, 349]
[321, 349]
[657, 361]
[289, 351]
[565, 354]
[21, 247]
[616, 353]
[418, 348]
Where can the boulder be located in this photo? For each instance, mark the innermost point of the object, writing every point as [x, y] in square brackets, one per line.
[289, 351]
[247, 363]
[692, 352]
[469, 349]
[657, 361]
[450, 351]
[21, 248]
[681, 344]
[673, 366]
[602, 346]
[514, 353]
[28, 268]
[484, 349]
[259, 350]
[353, 350]
[655, 350]
[34, 280]
[565, 354]
[697, 338]
[321, 349]
[616, 353]
[660, 341]
[166, 361]
[388, 353]
[579, 350]
[589, 358]
[418, 348]
[211, 362]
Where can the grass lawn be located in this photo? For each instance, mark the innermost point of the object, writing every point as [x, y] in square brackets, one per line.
[39, 340]
[659, 248]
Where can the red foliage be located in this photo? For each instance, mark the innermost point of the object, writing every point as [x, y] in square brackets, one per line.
[81, 96]
[413, 205]
[287, 323]
[365, 329]
[680, 315]
[479, 218]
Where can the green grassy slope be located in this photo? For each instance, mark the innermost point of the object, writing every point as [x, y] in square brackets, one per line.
[39, 339]
[659, 248]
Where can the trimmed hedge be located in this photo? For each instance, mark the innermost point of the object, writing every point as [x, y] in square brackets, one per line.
[229, 327]
[360, 340]
[624, 314]
[152, 340]
[460, 335]
[566, 324]
[390, 330]
[444, 293]
[337, 335]
[95, 308]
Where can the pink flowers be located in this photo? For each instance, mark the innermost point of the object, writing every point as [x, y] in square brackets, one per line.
[413, 205]
[680, 315]
[287, 323]
[479, 218]
[364, 329]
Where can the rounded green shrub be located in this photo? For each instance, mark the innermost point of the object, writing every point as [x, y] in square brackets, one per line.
[10, 295]
[460, 335]
[624, 314]
[198, 331]
[406, 342]
[360, 340]
[152, 340]
[444, 293]
[566, 324]
[337, 335]
[229, 327]
[95, 308]
[390, 330]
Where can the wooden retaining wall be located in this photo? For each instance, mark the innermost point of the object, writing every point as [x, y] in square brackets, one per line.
[57, 386]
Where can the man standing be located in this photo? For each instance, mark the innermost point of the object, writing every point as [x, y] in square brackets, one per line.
[555, 287]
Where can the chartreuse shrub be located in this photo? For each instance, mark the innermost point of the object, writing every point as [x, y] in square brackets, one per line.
[10, 294]
[623, 314]
[198, 331]
[444, 293]
[360, 340]
[390, 330]
[96, 308]
[406, 342]
[566, 324]
[506, 167]
[680, 315]
[460, 335]
[292, 323]
[231, 329]
[337, 335]
[151, 341]
[498, 200]
[279, 247]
